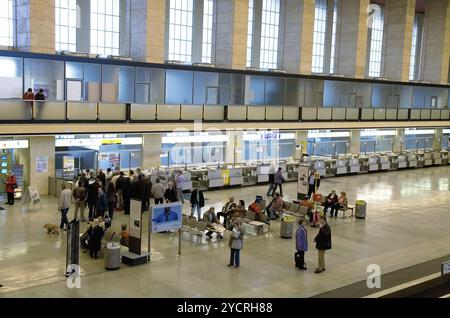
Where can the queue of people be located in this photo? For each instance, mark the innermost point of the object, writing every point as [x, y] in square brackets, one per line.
[29, 95]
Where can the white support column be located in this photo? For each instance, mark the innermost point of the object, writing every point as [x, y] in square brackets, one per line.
[355, 142]
[301, 144]
[235, 147]
[399, 140]
[41, 146]
[437, 140]
[151, 150]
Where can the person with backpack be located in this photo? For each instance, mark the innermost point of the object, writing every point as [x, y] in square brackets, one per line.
[323, 243]
[301, 246]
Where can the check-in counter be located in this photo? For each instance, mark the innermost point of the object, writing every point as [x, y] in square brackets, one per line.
[249, 175]
[420, 159]
[236, 177]
[292, 171]
[187, 185]
[393, 160]
[363, 164]
[444, 157]
[330, 168]
[214, 179]
[412, 160]
[354, 166]
[437, 160]
[342, 166]
[262, 173]
[385, 164]
[319, 165]
[428, 158]
[374, 163]
[402, 161]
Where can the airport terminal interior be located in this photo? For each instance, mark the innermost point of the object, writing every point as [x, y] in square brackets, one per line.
[193, 135]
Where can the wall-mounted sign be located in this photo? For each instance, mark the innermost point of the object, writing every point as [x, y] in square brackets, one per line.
[42, 164]
[13, 144]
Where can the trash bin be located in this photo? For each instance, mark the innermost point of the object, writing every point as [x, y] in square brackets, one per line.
[360, 209]
[112, 256]
[287, 226]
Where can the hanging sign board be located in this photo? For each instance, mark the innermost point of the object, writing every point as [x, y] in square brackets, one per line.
[302, 183]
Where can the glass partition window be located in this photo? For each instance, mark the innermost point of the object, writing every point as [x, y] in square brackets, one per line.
[207, 30]
[249, 33]
[6, 22]
[269, 34]
[66, 25]
[45, 74]
[11, 69]
[320, 25]
[419, 142]
[180, 30]
[105, 28]
[376, 43]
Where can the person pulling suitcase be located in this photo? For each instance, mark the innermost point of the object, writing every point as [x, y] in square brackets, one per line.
[301, 246]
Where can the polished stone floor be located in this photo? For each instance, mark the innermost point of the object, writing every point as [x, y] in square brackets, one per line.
[407, 223]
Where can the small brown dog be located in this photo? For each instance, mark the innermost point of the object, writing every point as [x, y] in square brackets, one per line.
[51, 228]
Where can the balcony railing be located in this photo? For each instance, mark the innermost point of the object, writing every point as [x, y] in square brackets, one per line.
[12, 111]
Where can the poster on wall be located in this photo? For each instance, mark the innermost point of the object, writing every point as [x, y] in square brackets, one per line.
[42, 164]
[166, 217]
[68, 166]
[18, 172]
[302, 184]
[114, 160]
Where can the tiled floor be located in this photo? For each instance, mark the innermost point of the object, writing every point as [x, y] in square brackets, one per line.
[407, 223]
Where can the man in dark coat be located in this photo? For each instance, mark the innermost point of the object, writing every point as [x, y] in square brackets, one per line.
[92, 198]
[138, 191]
[323, 243]
[102, 177]
[171, 193]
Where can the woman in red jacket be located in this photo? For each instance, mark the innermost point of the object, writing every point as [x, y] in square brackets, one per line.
[10, 185]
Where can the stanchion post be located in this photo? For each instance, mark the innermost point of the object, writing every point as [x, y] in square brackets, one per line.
[149, 235]
[179, 241]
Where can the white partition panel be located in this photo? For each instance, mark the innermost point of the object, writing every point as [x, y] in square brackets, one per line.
[213, 112]
[435, 114]
[168, 112]
[15, 110]
[309, 113]
[112, 111]
[445, 114]
[415, 114]
[379, 113]
[402, 114]
[338, 113]
[256, 113]
[191, 112]
[425, 113]
[81, 111]
[290, 113]
[143, 111]
[49, 110]
[391, 114]
[324, 113]
[352, 113]
[274, 112]
[237, 112]
[367, 113]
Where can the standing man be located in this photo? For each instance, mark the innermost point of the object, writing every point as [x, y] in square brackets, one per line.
[197, 202]
[63, 205]
[158, 192]
[278, 179]
[92, 198]
[40, 95]
[79, 195]
[11, 184]
[301, 246]
[180, 184]
[323, 243]
[119, 183]
[171, 194]
[313, 183]
[102, 177]
[271, 180]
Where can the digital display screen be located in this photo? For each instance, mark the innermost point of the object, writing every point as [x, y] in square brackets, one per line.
[4, 170]
[4, 157]
[4, 164]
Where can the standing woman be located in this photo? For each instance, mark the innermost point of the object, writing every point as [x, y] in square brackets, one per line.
[236, 243]
[11, 184]
[323, 243]
[313, 182]
[301, 246]
[111, 198]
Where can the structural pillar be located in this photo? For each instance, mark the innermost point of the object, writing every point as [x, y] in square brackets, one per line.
[235, 147]
[298, 36]
[151, 150]
[398, 23]
[35, 26]
[354, 142]
[301, 144]
[436, 44]
[437, 140]
[42, 152]
[147, 29]
[231, 34]
[84, 28]
[399, 141]
[351, 38]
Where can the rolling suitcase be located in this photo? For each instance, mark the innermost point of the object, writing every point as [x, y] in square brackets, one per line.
[297, 260]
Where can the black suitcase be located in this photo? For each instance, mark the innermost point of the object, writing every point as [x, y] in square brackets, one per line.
[297, 260]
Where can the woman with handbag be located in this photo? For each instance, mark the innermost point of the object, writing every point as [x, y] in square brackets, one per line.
[236, 243]
[11, 184]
